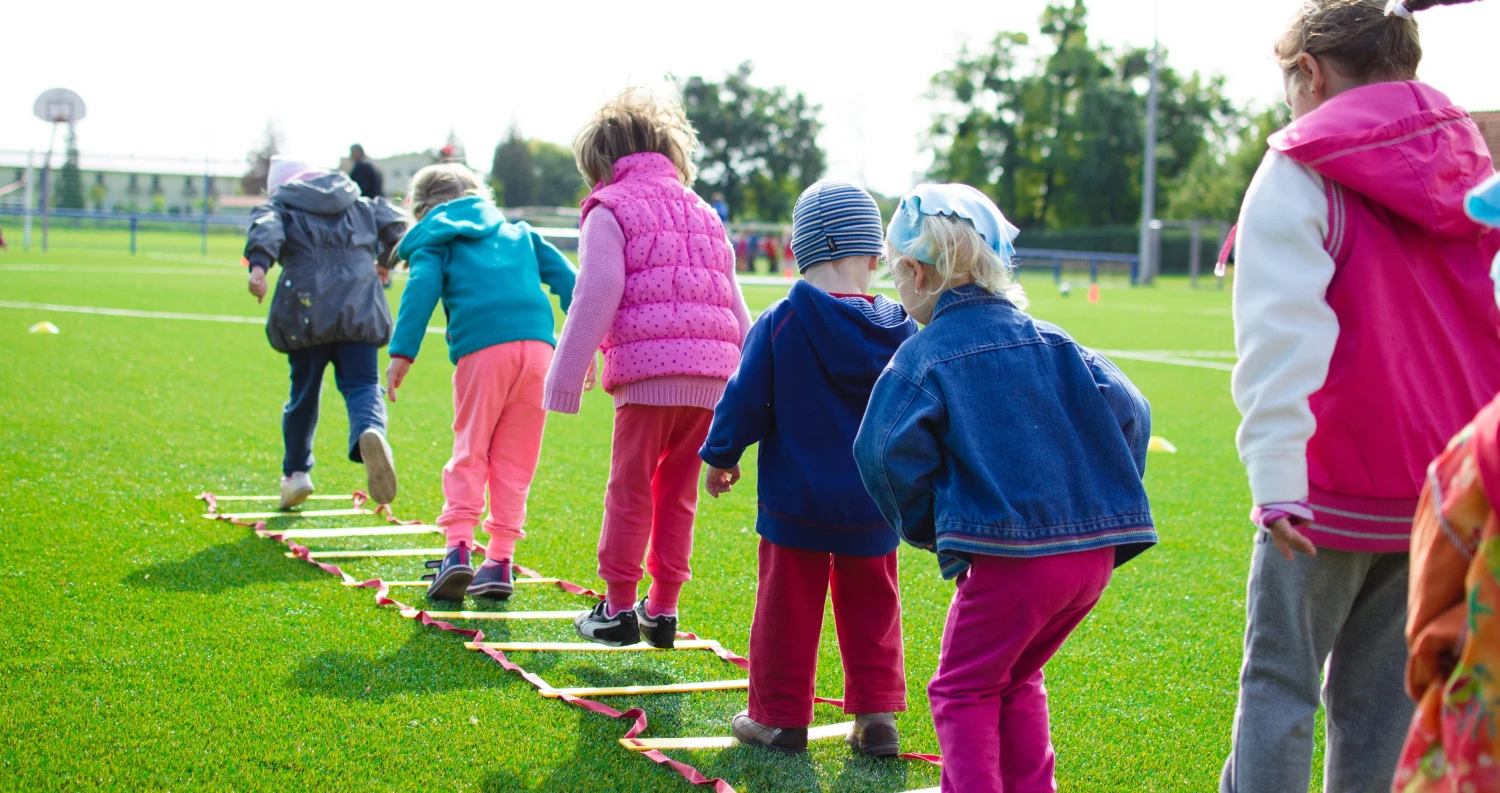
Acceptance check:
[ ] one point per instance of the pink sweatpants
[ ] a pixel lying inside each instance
(497, 438)
(989, 707)
(650, 502)
(788, 622)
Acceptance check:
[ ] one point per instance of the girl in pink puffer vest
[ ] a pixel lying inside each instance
(656, 292)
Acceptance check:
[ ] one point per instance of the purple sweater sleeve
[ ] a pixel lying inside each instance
(596, 300)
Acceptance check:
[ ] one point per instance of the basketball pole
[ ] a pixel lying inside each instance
(1149, 265)
(47, 186)
(26, 234)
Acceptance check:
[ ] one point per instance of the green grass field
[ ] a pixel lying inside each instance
(149, 648)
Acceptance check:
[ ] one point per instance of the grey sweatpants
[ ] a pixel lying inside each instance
(1348, 609)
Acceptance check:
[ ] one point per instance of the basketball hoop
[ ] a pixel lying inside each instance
(59, 106)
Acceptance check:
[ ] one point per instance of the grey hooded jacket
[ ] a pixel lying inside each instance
(326, 238)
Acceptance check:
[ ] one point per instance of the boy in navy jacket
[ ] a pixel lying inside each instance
(805, 377)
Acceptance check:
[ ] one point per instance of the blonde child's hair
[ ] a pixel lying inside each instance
(441, 183)
(637, 120)
(959, 250)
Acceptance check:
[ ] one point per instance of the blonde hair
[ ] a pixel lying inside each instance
(441, 183)
(637, 120)
(959, 250)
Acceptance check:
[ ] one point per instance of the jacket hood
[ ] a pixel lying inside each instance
(1402, 145)
(471, 218)
(851, 341)
(329, 194)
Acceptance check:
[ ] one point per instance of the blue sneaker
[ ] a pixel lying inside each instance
(493, 581)
(452, 577)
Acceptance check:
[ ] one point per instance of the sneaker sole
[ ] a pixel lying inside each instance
(772, 747)
(296, 498)
(451, 586)
(380, 466)
(660, 644)
(493, 591)
(878, 750)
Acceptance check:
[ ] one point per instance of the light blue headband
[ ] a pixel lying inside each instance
(1484, 202)
(953, 200)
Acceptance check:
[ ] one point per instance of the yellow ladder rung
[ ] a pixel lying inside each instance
(622, 691)
(365, 531)
(646, 744)
(309, 513)
(583, 647)
(494, 615)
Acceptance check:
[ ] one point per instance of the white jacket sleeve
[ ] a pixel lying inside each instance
(1284, 329)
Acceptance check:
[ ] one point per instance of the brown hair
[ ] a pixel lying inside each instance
(441, 183)
(637, 120)
(1359, 37)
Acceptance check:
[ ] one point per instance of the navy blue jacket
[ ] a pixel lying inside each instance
(804, 380)
(993, 433)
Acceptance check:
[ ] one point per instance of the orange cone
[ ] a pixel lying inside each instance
(1093, 293)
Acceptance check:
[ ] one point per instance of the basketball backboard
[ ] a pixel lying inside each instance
(59, 105)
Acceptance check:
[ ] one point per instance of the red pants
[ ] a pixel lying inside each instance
(989, 705)
(794, 585)
(652, 495)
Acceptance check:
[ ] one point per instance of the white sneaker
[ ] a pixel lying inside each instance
(380, 466)
(295, 489)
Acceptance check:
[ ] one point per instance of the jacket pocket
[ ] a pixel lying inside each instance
(290, 324)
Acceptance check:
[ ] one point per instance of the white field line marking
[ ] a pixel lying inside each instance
(643, 744)
(126, 270)
(130, 312)
(1150, 358)
(1230, 354)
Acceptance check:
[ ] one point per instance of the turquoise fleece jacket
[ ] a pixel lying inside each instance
(489, 275)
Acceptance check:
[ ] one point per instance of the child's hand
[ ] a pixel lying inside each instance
(1284, 533)
(258, 284)
(591, 377)
(384, 274)
(394, 374)
(718, 481)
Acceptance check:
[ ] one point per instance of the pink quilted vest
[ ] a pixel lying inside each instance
(675, 318)
(1418, 351)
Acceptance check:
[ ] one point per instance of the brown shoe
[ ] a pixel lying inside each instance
(875, 735)
(787, 740)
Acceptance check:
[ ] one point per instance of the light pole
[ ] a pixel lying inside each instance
(1148, 256)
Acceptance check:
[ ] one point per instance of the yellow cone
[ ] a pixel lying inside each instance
(44, 327)
(1160, 444)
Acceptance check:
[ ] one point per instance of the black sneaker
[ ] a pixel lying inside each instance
(659, 631)
(617, 631)
(452, 577)
(493, 581)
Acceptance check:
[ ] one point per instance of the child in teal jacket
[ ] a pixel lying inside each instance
(489, 275)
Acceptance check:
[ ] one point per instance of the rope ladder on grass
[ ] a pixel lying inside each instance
(581, 697)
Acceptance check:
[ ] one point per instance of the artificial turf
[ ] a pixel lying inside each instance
(146, 647)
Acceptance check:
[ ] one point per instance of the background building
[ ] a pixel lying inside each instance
(133, 184)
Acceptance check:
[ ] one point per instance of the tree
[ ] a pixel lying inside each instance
(558, 183)
(514, 172)
(758, 146)
(70, 179)
(1058, 142)
(259, 159)
(1214, 184)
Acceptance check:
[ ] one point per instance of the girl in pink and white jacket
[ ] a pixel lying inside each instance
(656, 292)
(1367, 336)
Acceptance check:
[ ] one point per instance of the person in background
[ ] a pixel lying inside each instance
(656, 290)
(800, 392)
(1367, 337)
(365, 174)
(1453, 624)
(1017, 456)
(488, 274)
(328, 308)
(721, 207)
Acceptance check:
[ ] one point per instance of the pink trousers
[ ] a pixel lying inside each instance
(497, 438)
(788, 622)
(650, 501)
(989, 707)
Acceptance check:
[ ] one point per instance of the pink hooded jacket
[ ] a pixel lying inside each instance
(676, 316)
(1418, 348)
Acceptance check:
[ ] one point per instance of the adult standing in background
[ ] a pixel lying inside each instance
(365, 174)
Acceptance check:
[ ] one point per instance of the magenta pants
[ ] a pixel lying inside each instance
(989, 706)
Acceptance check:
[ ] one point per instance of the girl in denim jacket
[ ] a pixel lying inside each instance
(1016, 455)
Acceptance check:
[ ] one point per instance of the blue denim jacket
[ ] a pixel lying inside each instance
(993, 433)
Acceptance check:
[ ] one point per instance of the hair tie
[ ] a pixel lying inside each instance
(1397, 8)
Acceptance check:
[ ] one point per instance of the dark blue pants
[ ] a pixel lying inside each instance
(356, 371)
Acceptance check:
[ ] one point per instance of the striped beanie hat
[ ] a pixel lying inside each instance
(834, 219)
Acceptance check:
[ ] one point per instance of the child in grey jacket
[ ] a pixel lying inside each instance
(328, 308)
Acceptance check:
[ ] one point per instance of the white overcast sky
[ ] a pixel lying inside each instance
(200, 79)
